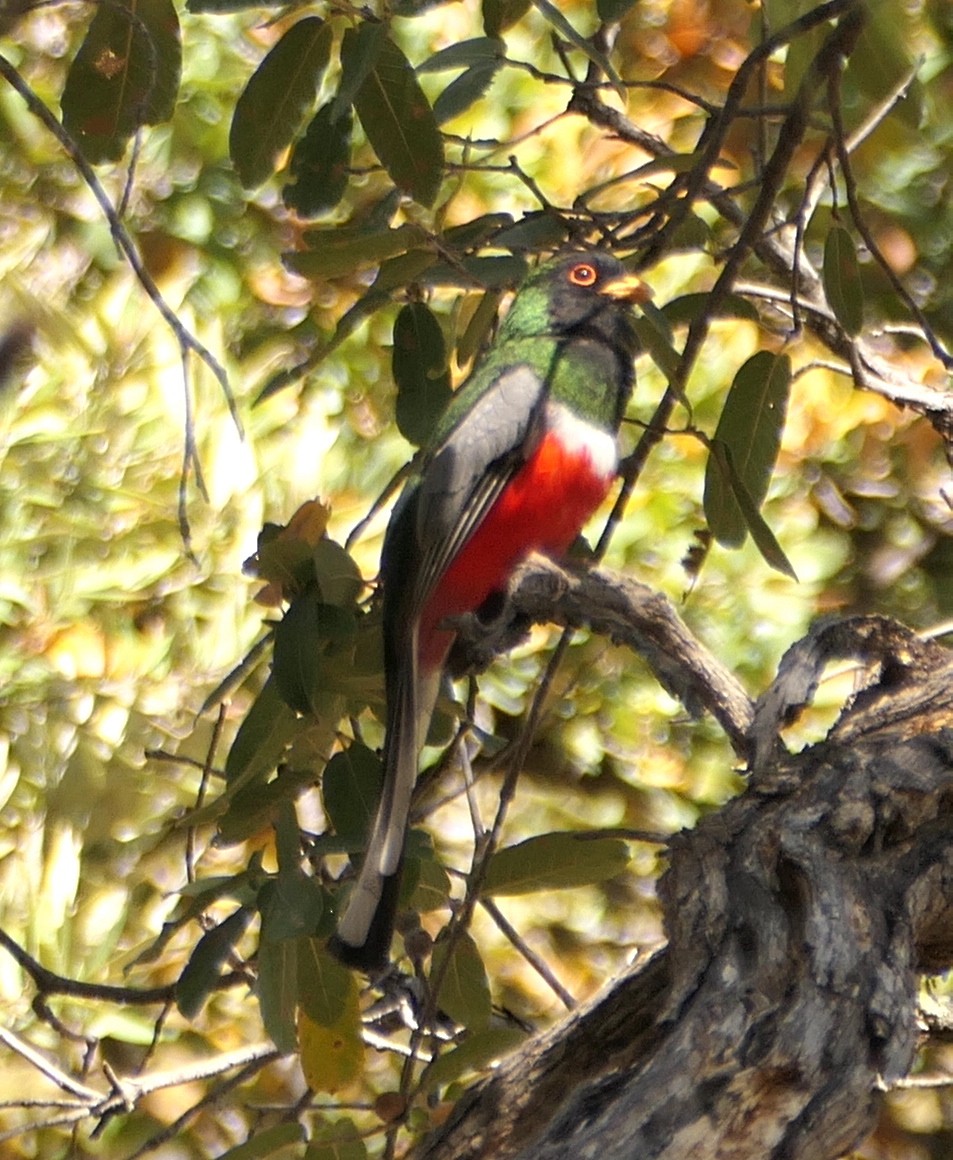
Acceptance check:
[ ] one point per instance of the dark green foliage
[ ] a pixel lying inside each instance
(125, 75)
(420, 371)
(272, 108)
(319, 163)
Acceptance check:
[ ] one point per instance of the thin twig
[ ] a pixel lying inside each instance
(537, 962)
(853, 201)
(28, 1052)
(186, 340)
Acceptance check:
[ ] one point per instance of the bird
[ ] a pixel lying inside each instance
(524, 453)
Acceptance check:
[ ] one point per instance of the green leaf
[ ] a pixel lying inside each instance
(262, 738)
(612, 11)
(478, 328)
(231, 5)
(475, 232)
(125, 75)
(397, 119)
(686, 308)
(801, 54)
(339, 578)
(266, 1142)
(464, 988)
(345, 251)
(461, 93)
(881, 62)
(351, 788)
(465, 54)
(655, 337)
(498, 15)
(842, 284)
(420, 370)
(492, 271)
(319, 164)
(204, 968)
(554, 862)
(552, 14)
(360, 50)
(196, 897)
(252, 810)
(432, 888)
(339, 1140)
(400, 271)
(277, 989)
(306, 636)
(324, 986)
(287, 839)
(754, 522)
(534, 231)
(271, 109)
(476, 1052)
(750, 428)
(291, 904)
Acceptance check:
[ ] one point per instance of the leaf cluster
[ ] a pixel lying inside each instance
(771, 204)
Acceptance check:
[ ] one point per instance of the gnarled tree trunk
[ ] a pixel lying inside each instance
(798, 917)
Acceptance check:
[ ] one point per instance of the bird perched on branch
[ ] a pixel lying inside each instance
(523, 455)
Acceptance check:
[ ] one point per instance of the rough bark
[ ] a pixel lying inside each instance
(798, 917)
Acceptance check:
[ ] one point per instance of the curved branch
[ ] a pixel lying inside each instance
(798, 917)
(629, 613)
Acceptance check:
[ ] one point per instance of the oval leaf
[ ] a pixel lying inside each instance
(466, 54)
(272, 107)
(338, 1140)
(461, 93)
(277, 989)
(464, 988)
(125, 75)
(420, 370)
(351, 788)
(262, 738)
(306, 639)
(360, 50)
(612, 11)
(344, 251)
(324, 986)
(398, 121)
(329, 1020)
(498, 15)
(842, 285)
(753, 521)
(555, 862)
(749, 428)
(585, 45)
(266, 1142)
(338, 576)
(476, 1052)
(478, 328)
(319, 164)
(230, 5)
(204, 968)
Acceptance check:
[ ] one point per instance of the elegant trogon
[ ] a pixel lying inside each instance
(523, 455)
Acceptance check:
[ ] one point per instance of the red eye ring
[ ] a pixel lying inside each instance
(583, 274)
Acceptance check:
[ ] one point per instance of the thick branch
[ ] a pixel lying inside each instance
(627, 612)
(798, 917)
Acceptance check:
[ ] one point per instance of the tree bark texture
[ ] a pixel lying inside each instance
(799, 918)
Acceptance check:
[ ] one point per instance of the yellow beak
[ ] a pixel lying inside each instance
(628, 288)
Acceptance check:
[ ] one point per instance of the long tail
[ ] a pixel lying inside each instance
(366, 928)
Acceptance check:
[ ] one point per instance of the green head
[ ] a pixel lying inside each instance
(576, 290)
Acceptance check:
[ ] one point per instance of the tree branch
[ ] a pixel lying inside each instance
(798, 917)
(628, 613)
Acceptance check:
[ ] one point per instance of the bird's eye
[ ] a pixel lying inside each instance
(583, 274)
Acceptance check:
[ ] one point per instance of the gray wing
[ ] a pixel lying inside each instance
(472, 466)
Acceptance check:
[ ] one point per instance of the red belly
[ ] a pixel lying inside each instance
(543, 509)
